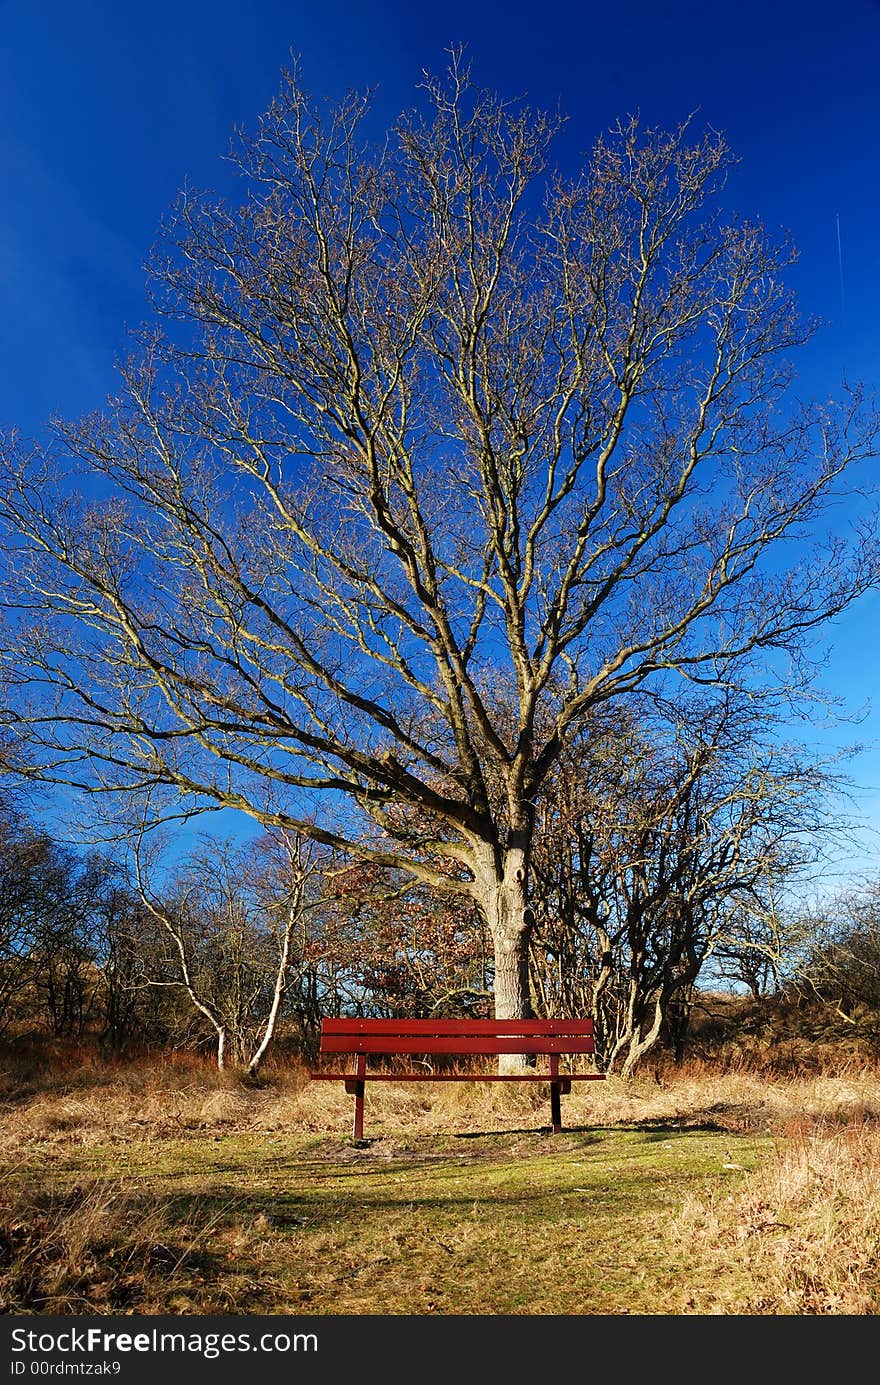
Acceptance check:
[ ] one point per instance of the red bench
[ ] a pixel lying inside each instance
(474, 1038)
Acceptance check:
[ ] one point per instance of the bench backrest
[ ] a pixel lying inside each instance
(456, 1036)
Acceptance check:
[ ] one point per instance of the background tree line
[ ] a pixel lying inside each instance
(668, 840)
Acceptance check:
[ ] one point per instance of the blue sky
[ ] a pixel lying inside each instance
(107, 107)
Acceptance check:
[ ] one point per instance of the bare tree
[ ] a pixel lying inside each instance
(48, 897)
(663, 835)
(119, 929)
(30, 876)
(428, 421)
(834, 957)
(756, 943)
(231, 920)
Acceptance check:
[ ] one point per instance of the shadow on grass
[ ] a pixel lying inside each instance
(349, 1211)
(662, 1130)
(545, 1131)
(720, 1118)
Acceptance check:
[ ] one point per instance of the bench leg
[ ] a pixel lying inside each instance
(555, 1107)
(357, 1127)
(555, 1093)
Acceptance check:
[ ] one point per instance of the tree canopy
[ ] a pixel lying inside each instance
(429, 453)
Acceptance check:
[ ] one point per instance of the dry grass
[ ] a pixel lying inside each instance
(85, 1248)
(92, 1103)
(808, 1220)
(159, 1187)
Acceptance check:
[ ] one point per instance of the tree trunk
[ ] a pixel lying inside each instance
(640, 1040)
(278, 990)
(510, 922)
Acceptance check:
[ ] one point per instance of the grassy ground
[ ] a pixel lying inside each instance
(165, 1190)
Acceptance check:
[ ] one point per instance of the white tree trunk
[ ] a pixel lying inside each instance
(278, 992)
(510, 922)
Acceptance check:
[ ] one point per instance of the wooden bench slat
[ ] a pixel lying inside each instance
(451, 1043)
(462, 1026)
(459, 1077)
